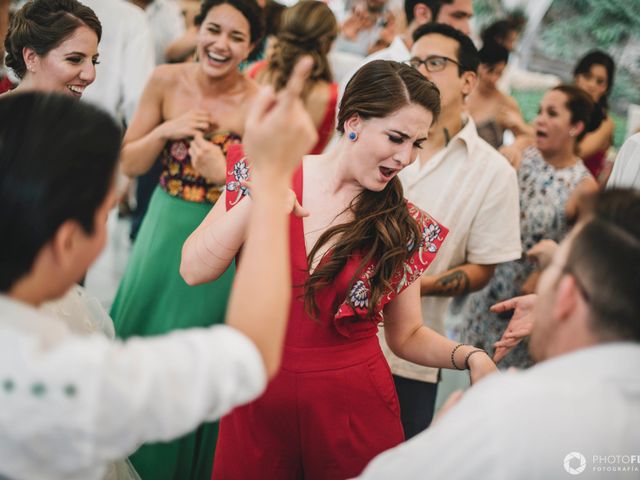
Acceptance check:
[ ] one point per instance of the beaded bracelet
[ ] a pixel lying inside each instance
(466, 359)
(453, 352)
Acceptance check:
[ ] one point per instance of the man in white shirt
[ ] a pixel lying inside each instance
(362, 29)
(126, 57)
(577, 411)
(626, 168)
(468, 186)
(69, 405)
(166, 22)
(457, 13)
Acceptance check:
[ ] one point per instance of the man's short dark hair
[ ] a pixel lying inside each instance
(57, 157)
(433, 5)
(467, 51)
(492, 54)
(499, 30)
(604, 258)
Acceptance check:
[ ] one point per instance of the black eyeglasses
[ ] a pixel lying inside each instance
(433, 63)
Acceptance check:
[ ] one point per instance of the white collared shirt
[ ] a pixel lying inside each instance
(167, 24)
(626, 168)
(397, 51)
(71, 404)
(526, 425)
(126, 57)
(473, 191)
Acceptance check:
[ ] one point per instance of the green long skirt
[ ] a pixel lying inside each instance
(154, 299)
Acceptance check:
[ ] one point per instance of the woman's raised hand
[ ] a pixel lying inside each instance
(196, 121)
(279, 131)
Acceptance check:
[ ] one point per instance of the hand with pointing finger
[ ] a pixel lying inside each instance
(279, 131)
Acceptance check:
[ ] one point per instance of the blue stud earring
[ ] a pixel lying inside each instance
(353, 136)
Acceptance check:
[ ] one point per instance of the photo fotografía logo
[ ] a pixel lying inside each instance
(575, 463)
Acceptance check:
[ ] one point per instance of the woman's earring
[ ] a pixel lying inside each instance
(353, 136)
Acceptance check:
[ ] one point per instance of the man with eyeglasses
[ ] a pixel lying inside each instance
(577, 411)
(468, 186)
(457, 13)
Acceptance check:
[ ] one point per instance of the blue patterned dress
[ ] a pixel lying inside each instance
(544, 191)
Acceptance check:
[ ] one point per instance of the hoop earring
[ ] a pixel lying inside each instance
(353, 136)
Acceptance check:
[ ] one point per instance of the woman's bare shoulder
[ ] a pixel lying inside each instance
(171, 73)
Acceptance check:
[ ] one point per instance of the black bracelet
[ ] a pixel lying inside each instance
(453, 352)
(466, 359)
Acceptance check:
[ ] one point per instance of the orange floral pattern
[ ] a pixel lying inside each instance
(180, 179)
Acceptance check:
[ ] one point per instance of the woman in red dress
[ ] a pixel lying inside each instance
(307, 28)
(355, 257)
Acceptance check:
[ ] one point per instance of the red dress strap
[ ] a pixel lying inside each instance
(354, 307)
(237, 170)
(328, 122)
(256, 68)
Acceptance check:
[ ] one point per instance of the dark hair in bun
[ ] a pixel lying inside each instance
(42, 25)
(583, 109)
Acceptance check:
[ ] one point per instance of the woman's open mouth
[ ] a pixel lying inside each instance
(387, 173)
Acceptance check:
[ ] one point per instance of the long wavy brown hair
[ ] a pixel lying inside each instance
(382, 228)
(307, 28)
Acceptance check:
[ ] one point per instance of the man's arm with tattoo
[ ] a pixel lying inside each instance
(457, 281)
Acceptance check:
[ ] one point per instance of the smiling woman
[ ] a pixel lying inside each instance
(52, 45)
(188, 115)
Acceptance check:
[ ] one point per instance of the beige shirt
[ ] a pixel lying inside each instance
(473, 191)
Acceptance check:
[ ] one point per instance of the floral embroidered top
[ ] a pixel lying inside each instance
(343, 305)
(355, 304)
(180, 179)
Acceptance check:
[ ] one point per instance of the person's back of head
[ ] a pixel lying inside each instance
(605, 256)
(432, 5)
(58, 157)
(307, 28)
(503, 32)
(42, 25)
(492, 54)
(272, 17)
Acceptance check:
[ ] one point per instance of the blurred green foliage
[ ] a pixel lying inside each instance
(573, 27)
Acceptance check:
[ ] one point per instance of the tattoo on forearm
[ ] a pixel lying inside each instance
(451, 284)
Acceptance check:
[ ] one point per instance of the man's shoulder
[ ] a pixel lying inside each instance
(495, 163)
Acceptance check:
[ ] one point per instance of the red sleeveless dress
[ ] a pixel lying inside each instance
(325, 131)
(333, 405)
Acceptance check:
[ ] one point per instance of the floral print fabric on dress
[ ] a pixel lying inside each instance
(237, 171)
(180, 179)
(355, 305)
